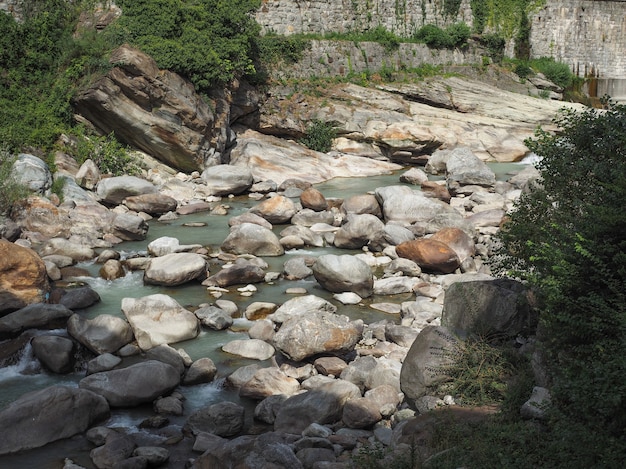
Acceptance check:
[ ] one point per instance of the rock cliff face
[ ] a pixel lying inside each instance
(158, 112)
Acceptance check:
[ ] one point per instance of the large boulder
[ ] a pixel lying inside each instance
(404, 205)
(153, 203)
(114, 190)
(250, 238)
(428, 362)
(358, 231)
(344, 273)
(251, 348)
(168, 245)
(276, 210)
(103, 334)
(154, 110)
(269, 382)
(458, 240)
(241, 272)
(487, 307)
(32, 172)
(137, 384)
(464, 168)
(35, 316)
(65, 247)
(321, 405)
(56, 353)
(175, 269)
(159, 319)
(224, 179)
(301, 306)
(23, 277)
(316, 333)
(47, 415)
(222, 419)
(431, 255)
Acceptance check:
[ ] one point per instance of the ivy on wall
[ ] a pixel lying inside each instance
(504, 17)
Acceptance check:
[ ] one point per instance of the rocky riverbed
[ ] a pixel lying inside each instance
(332, 384)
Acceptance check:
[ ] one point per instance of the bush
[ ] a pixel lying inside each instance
(455, 35)
(319, 136)
(557, 72)
(10, 190)
(106, 152)
(567, 238)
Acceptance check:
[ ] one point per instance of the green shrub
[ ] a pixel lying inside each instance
(319, 136)
(494, 43)
(106, 152)
(458, 33)
(385, 38)
(455, 35)
(10, 190)
(523, 70)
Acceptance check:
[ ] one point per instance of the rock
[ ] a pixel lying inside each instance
(395, 285)
(153, 203)
(431, 255)
(403, 266)
(361, 413)
(315, 333)
(115, 189)
(357, 231)
(310, 237)
(459, 241)
(214, 318)
(330, 365)
(159, 319)
(54, 352)
(88, 175)
(112, 269)
(361, 204)
(464, 168)
(415, 176)
(32, 172)
(498, 306)
(169, 405)
(277, 210)
(35, 316)
(259, 310)
(115, 452)
(344, 273)
(428, 361)
(268, 382)
(154, 110)
(223, 419)
(168, 245)
(347, 298)
(436, 190)
(155, 455)
(224, 179)
(243, 272)
(79, 298)
(251, 348)
(404, 205)
(63, 247)
(129, 227)
(313, 199)
(168, 355)
(401, 335)
(492, 218)
(203, 370)
(137, 384)
(322, 405)
(309, 217)
(104, 362)
(537, 405)
(175, 269)
(278, 159)
(296, 268)
(23, 277)
(250, 238)
(41, 417)
(301, 306)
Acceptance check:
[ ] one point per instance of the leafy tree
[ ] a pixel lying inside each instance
(208, 41)
(567, 238)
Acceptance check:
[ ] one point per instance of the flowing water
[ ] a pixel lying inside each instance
(27, 375)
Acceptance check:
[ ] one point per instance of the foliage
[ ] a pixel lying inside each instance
(105, 151)
(455, 35)
(567, 237)
(11, 191)
(522, 69)
(557, 72)
(507, 18)
(376, 456)
(208, 41)
(494, 43)
(451, 8)
(319, 136)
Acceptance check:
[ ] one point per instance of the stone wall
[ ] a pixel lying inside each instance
(588, 35)
(402, 17)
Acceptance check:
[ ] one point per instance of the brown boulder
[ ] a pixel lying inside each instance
(154, 204)
(23, 277)
(313, 199)
(458, 240)
(436, 190)
(431, 255)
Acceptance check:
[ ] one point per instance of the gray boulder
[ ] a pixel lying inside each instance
(268, 382)
(250, 238)
(214, 318)
(168, 245)
(316, 333)
(358, 231)
(48, 415)
(486, 307)
(223, 419)
(103, 334)
(252, 348)
(225, 179)
(301, 306)
(159, 319)
(321, 405)
(344, 273)
(79, 298)
(276, 210)
(175, 269)
(154, 203)
(241, 272)
(464, 168)
(203, 370)
(35, 316)
(137, 384)
(54, 352)
(32, 172)
(129, 227)
(115, 189)
(428, 362)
